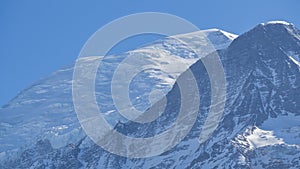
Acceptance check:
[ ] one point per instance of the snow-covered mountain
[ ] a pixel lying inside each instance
(260, 127)
(45, 109)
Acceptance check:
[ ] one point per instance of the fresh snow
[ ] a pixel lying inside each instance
(261, 138)
(279, 22)
(294, 57)
(273, 131)
(229, 35)
(34, 113)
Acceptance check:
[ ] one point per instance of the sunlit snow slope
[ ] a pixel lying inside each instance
(45, 109)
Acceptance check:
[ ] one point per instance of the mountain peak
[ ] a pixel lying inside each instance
(258, 129)
(278, 32)
(277, 23)
(213, 32)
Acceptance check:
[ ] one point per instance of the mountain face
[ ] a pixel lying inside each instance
(260, 126)
(44, 111)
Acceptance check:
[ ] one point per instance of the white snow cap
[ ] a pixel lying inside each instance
(231, 36)
(278, 22)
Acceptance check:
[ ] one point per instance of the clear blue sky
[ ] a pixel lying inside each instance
(38, 37)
